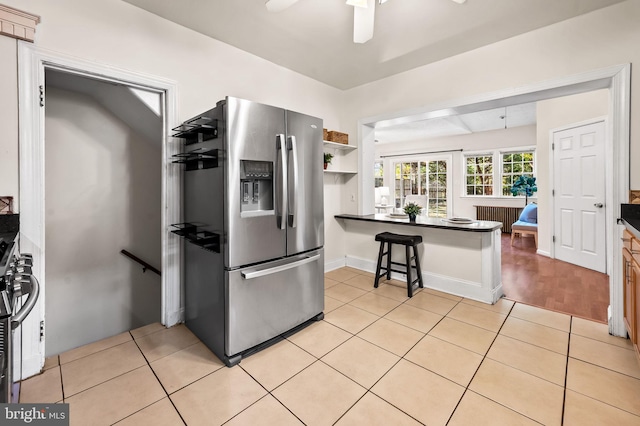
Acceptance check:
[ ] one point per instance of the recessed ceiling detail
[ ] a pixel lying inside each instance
(363, 15)
(481, 121)
(315, 37)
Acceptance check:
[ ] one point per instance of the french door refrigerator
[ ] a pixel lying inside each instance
(253, 209)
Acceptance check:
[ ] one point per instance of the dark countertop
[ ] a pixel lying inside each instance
(630, 215)
(9, 226)
(633, 226)
(426, 222)
(8, 236)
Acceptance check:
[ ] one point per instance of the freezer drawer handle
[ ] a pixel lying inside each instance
(276, 269)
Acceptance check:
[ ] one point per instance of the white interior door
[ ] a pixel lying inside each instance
(579, 196)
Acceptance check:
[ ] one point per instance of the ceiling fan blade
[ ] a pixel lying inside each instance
(363, 19)
(278, 5)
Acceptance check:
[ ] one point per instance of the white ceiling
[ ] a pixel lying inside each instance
(315, 37)
(492, 119)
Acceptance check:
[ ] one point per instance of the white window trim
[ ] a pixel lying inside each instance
(496, 154)
(389, 175)
(507, 151)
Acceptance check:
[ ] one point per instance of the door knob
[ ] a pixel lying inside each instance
(598, 205)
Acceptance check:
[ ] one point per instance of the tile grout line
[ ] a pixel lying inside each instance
(115, 377)
(159, 382)
(317, 359)
(484, 357)
(403, 357)
(566, 373)
(400, 358)
(600, 367)
(603, 342)
(61, 381)
(269, 393)
(367, 390)
(605, 368)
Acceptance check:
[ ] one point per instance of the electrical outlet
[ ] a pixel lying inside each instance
(353, 197)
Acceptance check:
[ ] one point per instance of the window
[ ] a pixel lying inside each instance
(491, 174)
(515, 164)
(378, 174)
(425, 181)
(410, 180)
(479, 174)
(437, 189)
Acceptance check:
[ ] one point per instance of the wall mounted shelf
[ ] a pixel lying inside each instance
(335, 145)
(343, 172)
(341, 150)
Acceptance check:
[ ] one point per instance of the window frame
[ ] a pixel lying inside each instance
(477, 154)
(502, 152)
(389, 173)
(497, 162)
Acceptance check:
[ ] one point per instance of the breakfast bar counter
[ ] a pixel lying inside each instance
(428, 222)
(463, 259)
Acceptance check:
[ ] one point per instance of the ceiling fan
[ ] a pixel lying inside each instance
(363, 15)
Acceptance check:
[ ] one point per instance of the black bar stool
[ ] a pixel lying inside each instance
(407, 241)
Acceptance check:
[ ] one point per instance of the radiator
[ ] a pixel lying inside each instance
(506, 215)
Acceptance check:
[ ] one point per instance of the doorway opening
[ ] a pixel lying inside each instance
(103, 169)
(615, 82)
(34, 63)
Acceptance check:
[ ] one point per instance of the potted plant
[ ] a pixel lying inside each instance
(327, 159)
(412, 209)
(524, 185)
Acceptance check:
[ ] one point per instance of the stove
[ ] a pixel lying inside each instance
(16, 281)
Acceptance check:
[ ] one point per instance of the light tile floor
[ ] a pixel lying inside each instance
(378, 358)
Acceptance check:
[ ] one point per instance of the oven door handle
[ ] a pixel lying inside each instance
(262, 272)
(17, 319)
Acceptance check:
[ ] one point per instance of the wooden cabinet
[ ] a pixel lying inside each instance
(635, 272)
(629, 287)
(631, 277)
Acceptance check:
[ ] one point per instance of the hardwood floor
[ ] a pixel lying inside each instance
(552, 284)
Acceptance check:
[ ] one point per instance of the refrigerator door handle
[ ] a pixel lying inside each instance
(262, 272)
(293, 210)
(281, 145)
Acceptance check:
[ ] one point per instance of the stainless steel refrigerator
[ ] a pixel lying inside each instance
(254, 222)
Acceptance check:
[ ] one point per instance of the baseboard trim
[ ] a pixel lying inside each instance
(334, 264)
(457, 287)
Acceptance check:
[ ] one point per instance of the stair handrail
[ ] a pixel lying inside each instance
(144, 264)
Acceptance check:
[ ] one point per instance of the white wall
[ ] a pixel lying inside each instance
(552, 114)
(524, 136)
(118, 34)
(603, 38)
(102, 195)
